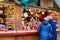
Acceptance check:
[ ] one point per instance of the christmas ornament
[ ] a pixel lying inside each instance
(25, 14)
(42, 15)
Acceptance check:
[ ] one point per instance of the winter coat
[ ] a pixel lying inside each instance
(45, 30)
(53, 23)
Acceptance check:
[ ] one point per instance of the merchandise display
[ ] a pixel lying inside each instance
(33, 17)
(7, 22)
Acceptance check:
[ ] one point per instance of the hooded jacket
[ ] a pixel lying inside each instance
(45, 31)
(53, 23)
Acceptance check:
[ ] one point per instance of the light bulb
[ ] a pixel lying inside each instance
(43, 13)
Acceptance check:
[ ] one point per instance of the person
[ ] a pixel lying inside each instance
(53, 23)
(45, 31)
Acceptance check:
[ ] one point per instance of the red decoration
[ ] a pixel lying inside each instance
(41, 16)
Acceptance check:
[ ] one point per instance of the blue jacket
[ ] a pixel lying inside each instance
(45, 31)
(53, 23)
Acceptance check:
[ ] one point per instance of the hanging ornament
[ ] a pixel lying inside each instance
(25, 15)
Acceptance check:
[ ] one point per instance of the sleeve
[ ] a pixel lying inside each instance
(50, 32)
(50, 29)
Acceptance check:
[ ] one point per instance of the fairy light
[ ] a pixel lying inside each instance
(43, 13)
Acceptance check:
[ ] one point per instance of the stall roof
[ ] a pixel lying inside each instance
(57, 2)
(49, 8)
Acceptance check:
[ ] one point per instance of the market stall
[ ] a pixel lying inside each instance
(30, 20)
(16, 20)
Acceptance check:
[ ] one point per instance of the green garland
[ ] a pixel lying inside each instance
(26, 2)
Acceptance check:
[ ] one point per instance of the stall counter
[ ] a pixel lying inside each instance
(20, 33)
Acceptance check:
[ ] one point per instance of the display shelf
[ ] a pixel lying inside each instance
(20, 33)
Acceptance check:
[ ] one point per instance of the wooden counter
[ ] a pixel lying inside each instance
(21, 33)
